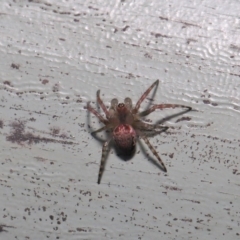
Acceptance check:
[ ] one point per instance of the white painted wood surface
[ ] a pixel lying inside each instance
(55, 55)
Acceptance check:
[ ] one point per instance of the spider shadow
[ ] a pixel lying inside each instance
(124, 156)
(152, 134)
(143, 148)
(173, 116)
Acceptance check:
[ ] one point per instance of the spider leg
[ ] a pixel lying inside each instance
(153, 151)
(92, 110)
(144, 96)
(102, 105)
(162, 106)
(103, 158)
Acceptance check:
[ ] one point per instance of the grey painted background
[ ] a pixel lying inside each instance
(55, 55)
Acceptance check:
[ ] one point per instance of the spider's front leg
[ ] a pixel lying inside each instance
(103, 158)
(162, 106)
(135, 110)
(102, 105)
(97, 114)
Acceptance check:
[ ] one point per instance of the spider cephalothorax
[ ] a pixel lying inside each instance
(125, 124)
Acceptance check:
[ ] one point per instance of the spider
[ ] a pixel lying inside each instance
(124, 123)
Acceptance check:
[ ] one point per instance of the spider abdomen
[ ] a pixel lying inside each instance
(124, 137)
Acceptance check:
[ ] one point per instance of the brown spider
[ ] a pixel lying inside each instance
(124, 123)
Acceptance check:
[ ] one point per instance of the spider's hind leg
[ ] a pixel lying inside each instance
(154, 152)
(103, 158)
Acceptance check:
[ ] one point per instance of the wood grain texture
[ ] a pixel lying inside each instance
(55, 55)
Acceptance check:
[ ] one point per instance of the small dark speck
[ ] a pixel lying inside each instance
(147, 55)
(157, 35)
(206, 102)
(63, 135)
(62, 39)
(7, 83)
(65, 13)
(81, 230)
(125, 28)
(171, 155)
(16, 66)
(51, 217)
(32, 119)
(1, 124)
(183, 119)
(2, 230)
(189, 40)
(214, 104)
(235, 171)
(55, 88)
(55, 130)
(45, 81)
(91, 7)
